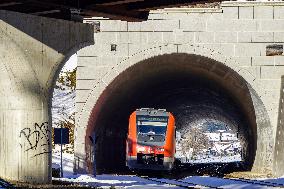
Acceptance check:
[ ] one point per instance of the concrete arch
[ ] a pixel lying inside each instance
(240, 77)
(156, 51)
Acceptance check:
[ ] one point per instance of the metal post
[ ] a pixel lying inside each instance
(61, 166)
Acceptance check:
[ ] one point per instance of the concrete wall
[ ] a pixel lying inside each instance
(236, 34)
(279, 150)
(32, 50)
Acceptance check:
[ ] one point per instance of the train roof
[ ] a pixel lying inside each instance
(152, 112)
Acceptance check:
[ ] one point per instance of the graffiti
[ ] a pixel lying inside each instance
(37, 138)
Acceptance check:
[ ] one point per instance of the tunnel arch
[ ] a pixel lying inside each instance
(211, 65)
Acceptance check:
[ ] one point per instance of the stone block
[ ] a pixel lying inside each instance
(134, 26)
(278, 12)
(221, 49)
(279, 61)
(184, 37)
(155, 37)
(242, 61)
(169, 49)
(193, 24)
(270, 84)
(122, 50)
(252, 72)
(85, 83)
(272, 72)
(226, 37)
(91, 50)
(178, 37)
(263, 12)
(113, 25)
(159, 25)
(250, 49)
(204, 37)
(246, 12)
(272, 25)
(138, 37)
(168, 37)
(105, 50)
(123, 37)
(255, 37)
(144, 48)
(174, 16)
(86, 73)
(134, 49)
(263, 61)
(78, 108)
(231, 25)
(271, 101)
(89, 61)
(81, 95)
(230, 12)
(279, 37)
(107, 37)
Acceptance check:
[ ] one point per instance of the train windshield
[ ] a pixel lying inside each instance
(154, 128)
(151, 130)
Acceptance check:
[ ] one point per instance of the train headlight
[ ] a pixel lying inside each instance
(140, 148)
(160, 149)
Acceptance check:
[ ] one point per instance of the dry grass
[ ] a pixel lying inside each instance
(55, 184)
(248, 175)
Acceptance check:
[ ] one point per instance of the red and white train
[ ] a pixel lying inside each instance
(151, 140)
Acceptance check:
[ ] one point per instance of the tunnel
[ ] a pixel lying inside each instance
(194, 88)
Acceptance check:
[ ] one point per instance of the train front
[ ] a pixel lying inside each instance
(151, 140)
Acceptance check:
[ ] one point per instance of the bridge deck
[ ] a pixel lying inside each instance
(129, 10)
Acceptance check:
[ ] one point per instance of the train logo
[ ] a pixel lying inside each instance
(151, 140)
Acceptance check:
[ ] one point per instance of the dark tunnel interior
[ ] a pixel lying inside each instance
(194, 94)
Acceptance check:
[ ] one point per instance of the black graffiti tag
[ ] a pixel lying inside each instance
(33, 136)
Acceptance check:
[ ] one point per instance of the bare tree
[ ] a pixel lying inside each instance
(195, 139)
(63, 105)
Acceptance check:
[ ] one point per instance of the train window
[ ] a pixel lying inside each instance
(150, 129)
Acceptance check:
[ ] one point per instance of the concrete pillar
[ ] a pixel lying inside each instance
(32, 51)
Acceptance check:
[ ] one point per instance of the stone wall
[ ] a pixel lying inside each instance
(237, 34)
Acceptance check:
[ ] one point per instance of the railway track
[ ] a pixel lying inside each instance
(178, 183)
(213, 170)
(219, 170)
(192, 184)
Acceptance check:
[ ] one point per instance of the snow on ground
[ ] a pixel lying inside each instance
(217, 159)
(67, 161)
(222, 183)
(132, 181)
(4, 184)
(119, 181)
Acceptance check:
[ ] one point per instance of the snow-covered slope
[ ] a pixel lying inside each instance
(63, 105)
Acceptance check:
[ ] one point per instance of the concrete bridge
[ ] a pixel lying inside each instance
(32, 51)
(203, 65)
(218, 65)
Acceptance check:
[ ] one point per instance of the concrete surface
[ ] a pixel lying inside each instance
(32, 51)
(226, 45)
